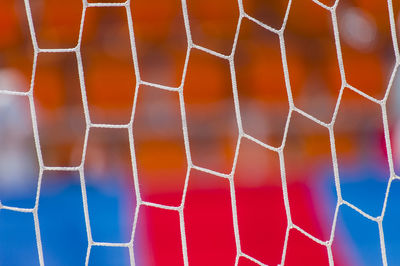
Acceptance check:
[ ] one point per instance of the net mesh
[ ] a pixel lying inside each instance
(180, 90)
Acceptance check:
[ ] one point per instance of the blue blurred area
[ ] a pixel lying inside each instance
(365, 187)
(62, 221)
(17, 239)
(62, 224)
(364, 237)
(109, 256)
(391, 225)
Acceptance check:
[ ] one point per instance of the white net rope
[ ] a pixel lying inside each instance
(180, 91)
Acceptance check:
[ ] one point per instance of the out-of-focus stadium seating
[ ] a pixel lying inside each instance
(110, 79)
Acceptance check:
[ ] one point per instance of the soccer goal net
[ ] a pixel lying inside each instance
(199, 132)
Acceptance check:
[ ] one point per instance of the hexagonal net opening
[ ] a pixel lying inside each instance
(199, 132)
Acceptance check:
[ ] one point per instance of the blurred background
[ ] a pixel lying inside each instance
(109, 78)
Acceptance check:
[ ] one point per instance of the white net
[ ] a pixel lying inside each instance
(242, 134)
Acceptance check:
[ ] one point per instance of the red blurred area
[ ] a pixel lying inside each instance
(162, 243)
(208, 223)
(301, 250)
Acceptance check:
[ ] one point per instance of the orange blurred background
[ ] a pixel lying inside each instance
(110, 83)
